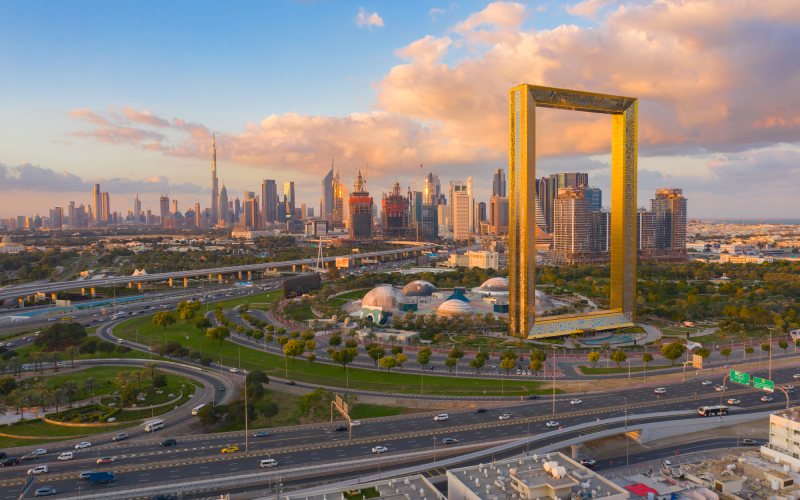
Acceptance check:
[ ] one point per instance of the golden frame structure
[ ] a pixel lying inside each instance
(523, 101)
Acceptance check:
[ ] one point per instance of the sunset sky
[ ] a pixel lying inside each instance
(127, 93)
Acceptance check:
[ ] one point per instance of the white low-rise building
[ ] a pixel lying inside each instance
(784, 438)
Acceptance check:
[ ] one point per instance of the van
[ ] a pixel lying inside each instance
(268, 463)
(65, 455)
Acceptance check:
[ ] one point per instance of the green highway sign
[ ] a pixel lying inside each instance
(762, 383)
(740, 377)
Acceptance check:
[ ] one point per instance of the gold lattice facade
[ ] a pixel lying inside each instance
(523, 101)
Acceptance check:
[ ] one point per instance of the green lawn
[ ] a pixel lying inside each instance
(142, 330)
(360, 410)
(298, 311)
(259, 297)
(47, 432)
(132, 354)
(353, 294)
(588, 370)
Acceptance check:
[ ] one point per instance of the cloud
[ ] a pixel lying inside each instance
(588, 8)
(435, 12)
(368, 19)
(144, 117)
(27, 177)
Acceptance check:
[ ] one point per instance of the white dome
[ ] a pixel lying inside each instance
(383, 296)
(419, 288)
(497, 284)
(454, 307)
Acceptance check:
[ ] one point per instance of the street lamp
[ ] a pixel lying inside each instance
(555, 354)
(434, 449)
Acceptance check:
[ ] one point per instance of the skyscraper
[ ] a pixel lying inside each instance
(498, 215)
(214, 182)
(222, 211)
(669, 207)
(471, 195)
(197, 215)
(360, 204)
(338, 202)
(547, 191)
(571, 226)
(326, 208)
(174, 207)
(105, 209)
(499, 183)
(594, 196)
(56, 217)
(250, 219)
(288, 193)
(461, 207)
(137, 209)
(394, 213)
(97, 203)
(269, 200)
(163, 205)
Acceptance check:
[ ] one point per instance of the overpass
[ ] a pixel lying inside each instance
(19, 292)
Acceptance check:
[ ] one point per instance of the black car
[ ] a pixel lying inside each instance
(3, 455)
(291, 382)
(533, 396)
(169, 442)
(8, 462)
(340, 428)
(481, 410)
(164, 496)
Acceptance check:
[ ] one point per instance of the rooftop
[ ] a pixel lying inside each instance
(416, 487)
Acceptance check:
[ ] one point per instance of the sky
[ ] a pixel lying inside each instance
(128, 93)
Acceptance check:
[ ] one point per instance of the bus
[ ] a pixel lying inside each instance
(710, 411)
(153, 425)
(197, 409)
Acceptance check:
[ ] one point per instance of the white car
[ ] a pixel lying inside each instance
(120, 341)
(720, 388)
(82, 445)
(441, 417)
(355, 423)
(233, 370)
(575, 401)
(660, 390)
(39, 452)
(796, 376)
(733, 401)
(767, 399)
(380, 449)
(504, 416)
(39, 469)
(66, 455)
(706, 382)
(551, 423)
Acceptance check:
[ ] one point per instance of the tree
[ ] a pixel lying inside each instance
(344, 356)
(218, 333)
(310, 345)
(7, 385)
(335, 341)
(71, 351)
(89, 385)
(376, 352)
(269, 409)
(202, 323)
(424, 356)
(477, 363)
(594, 357)
(765, 347)
(163, 319)
(619, 357)
(539, 354)
(397, 349)
(749, 349)
(401, 359)
(388, 362)
(535, 366)
(783, 345)
(646, 358)
(703, 352)
(450, 362)
(70, 391)
(673, 351)
(507, 364)
(725, 352)
(311, 357)
(293, 348)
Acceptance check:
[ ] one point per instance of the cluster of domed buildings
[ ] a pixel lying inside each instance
(422, 297)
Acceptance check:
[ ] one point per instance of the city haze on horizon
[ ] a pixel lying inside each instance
(129, 97)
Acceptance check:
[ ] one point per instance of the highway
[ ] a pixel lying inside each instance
(141, 461)
(13, 292)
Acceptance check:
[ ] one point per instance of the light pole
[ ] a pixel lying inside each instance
(644, 365)
(684, 369)
(434, 449)
(627, 455)
(770, 355)
(629, 369)
(555, 353)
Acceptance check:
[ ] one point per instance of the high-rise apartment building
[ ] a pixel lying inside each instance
(547, 190)
(214, 182)
(97, 204)
(499, 183)
(222, 210)
(269, 201)
(198, 216)
(571, 226)
(601, 231)
(646, 235)
(56, 218)
(480, 212)
(498, 215)
(105, 209)
(137, 209)
(471, 195)
(360, 211)
(338, 202)
(669, 207)
(163, 204)
(326, 205)
(175, 210)
(250, 216)
(461, 208)
(394, 213)
(594, 196)
(288, 194)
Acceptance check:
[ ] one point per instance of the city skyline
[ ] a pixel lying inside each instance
(409, 74)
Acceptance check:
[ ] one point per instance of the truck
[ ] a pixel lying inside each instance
(101, 477)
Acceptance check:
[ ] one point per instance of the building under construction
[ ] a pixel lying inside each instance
(394, 213)
(360, 204)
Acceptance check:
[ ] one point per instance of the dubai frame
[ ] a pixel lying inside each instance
(523, 101)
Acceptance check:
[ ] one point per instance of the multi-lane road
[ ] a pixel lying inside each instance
(141, 461)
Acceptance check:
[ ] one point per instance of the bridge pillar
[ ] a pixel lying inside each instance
(21, 301)
(170, 282)
(83, 291)
(575, 450)
(91, 290)
(240, 275)
(185, 282)
(130, 284)
(210, 277)
(53, 297)
(139, 286)
(249, 275)
(219, 278)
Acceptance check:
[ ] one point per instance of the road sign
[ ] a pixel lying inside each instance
(764, 384)
(740, 377)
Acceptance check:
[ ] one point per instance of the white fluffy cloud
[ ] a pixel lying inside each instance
(366, 19)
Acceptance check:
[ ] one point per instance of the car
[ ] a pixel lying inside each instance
(720, 388)
(666, 463)
(340, 428)
(120, 341)
(796, 376)
(39, 469)
(83, 444)
(380, 449)
(749, 442)
(169, 442)
(660, 390)
(66, 455)
(8, 462)
(85, 474)
(575, 401)
(552, 423)
(39, 452)
(504, 416)
(28, 457)
(261, 434)
(233, 370)
(767, 399)
(106, 460)
(221, 388)
(122, 436)
(355, 423)
(449, 440)
(291, 382)
(788, 387)
(45, 491)
(733, 401)
(229, 449)
(706, 382)
(533, 396)
(481, 410)
(588, 462)
(441, 417)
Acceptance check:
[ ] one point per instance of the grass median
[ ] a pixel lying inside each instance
(142, 330)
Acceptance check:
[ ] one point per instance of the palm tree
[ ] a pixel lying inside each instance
(70, 390)
(89, 386)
